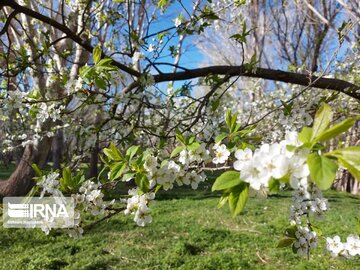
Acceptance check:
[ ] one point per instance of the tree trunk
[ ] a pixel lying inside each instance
(56, 149)
(21, 180)
(94, 160)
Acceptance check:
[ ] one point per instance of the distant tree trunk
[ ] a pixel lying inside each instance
(94, 160)
(57, 149)
(345, 181)
(21, 180)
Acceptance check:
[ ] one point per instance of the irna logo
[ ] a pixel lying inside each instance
(23, 212)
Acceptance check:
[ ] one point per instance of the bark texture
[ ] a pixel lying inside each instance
(21, 181)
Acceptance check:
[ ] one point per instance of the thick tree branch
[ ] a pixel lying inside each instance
(268, 74)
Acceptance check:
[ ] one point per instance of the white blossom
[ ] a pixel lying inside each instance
(221, 153)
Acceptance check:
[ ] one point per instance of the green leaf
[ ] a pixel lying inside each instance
(285, 242)
(190, 140)
(127, 176)
(290, 231)
(323, 118)
(163, 3)
(228, 119)
(193, 146)
(180, 137)
(97, 54)
(274, 185)
(223, 199)
(227, 180)
(37, 169)
(316, 229)
(100, 83)
(220, 137)
(66, 175)
(305, 134)
(142, 182)
(335, 130)
(131, 152)
(117, 169)
(238, 197)
(106, 62)
(233, 122)
(177, 150)
(215, 104)
(112, 152)
(349, 158)
(86, 71)
(322, 170)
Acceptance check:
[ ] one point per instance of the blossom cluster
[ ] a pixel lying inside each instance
(170, 173)
(349, 249)
(272, 161)
(90, 197)
(305, 239)
(200, 154)
(307, 199)
(137, 205)
(51, 111)
(50, 184)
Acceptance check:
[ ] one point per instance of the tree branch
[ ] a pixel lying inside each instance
(8, 21)
(268, 74)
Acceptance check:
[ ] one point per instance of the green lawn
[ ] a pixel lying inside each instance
(188, 232)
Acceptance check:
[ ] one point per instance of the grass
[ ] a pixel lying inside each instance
(188, 232)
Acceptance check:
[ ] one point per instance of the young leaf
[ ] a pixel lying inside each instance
(117, 169)
(66, 175)
(112, 152)
(180, 137)
(127, 177)
(285, 242)
(290, 231)
(227, 180)
(238, 197)
(193, 146)
(274, 185)
(233, 122)
(163, 3)
(131, 152)
(349, 158)
(228, 119)
(335, 130)
(177, 150)
(142, 182)
(100, 83)
(106, 62)
(97, 54)
(220, 137)
(223, 199)
(323, 118)
(322, 170)
(305, 134)
(37, 169)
